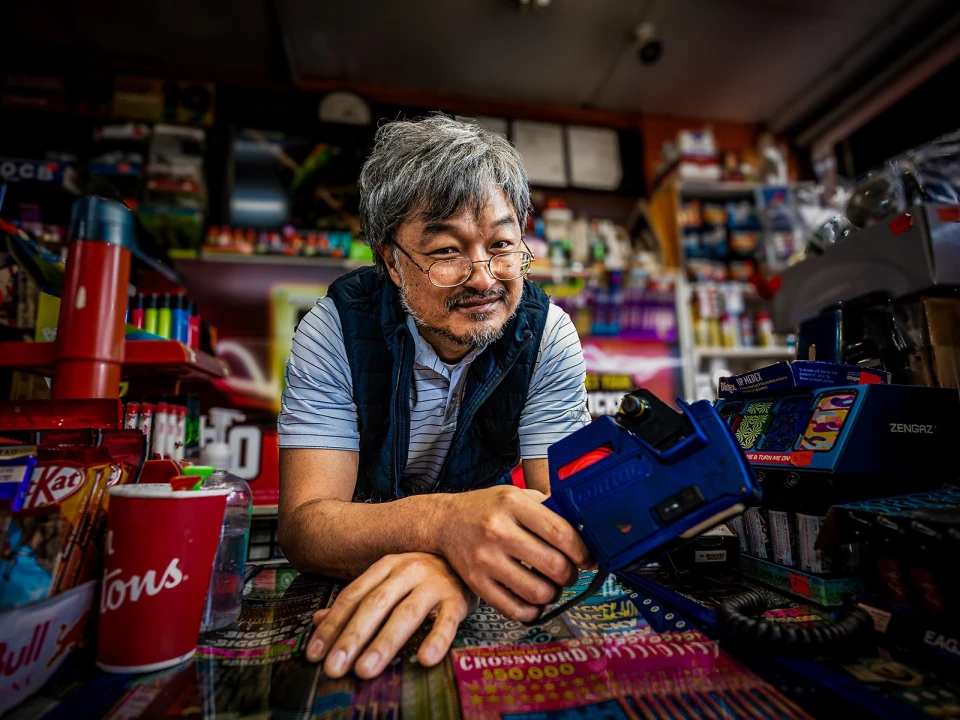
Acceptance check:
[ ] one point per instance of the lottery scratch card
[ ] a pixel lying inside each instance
(616, 616)
(505, 681)
(488, 627)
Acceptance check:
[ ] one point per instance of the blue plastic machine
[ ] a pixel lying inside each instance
(644, 482)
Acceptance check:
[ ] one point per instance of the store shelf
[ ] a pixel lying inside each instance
(162, 358)
(265, 510)
(298, 260)
(746, 353)
(557, 274)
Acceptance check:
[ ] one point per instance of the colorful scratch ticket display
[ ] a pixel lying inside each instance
(756, 416)
(789, 417)
(826, 422)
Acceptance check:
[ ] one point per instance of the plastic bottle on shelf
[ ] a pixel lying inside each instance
(746, 330)
(225, 595)
(765, 330)
(730, 330)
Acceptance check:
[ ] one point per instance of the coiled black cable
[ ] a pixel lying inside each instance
(738, 617)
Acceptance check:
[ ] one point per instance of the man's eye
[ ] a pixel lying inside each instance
(502, 245)
(444, 251)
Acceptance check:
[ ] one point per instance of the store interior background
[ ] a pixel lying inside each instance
(836, 88)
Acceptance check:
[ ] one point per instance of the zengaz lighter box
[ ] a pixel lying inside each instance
(798, 374)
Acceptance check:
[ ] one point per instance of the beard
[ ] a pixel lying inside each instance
(480, 335)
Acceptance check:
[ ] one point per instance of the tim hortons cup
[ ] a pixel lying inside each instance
(158, 557)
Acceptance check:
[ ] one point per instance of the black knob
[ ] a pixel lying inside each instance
(633, 406)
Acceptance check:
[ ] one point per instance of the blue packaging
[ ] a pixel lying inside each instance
(16, 464)
(181, 318)
(800, 373)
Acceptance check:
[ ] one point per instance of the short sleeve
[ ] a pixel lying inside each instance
(318, 410)
(557, 398)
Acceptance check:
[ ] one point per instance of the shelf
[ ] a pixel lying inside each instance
(265, 510)
(168, 358)
(717, 189)
(746, 353)
(556, 274)
(299, 260)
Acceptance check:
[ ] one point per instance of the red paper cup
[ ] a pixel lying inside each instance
(158, 558)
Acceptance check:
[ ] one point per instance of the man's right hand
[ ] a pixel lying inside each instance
(511, 550)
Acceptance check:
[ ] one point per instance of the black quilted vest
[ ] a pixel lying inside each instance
(380, 350)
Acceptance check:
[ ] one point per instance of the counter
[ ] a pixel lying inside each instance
(623, 654)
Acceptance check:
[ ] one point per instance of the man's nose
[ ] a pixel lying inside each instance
(480, 279)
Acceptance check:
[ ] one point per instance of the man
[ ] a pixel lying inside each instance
(413, 389)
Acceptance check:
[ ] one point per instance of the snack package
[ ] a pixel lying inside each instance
(41, 551)
(126, 451)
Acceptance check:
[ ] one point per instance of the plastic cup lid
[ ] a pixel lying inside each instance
(162, 491)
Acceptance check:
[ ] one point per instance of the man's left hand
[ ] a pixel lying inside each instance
(398, 593)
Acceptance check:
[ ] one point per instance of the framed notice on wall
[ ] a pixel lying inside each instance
(594, 158)
(541, 146)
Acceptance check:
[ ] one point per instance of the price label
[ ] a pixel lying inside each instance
(800, 585)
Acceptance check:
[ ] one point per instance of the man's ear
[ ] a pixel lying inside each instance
(389, 256)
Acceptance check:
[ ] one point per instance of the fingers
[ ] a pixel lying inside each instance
(347, 634)
(441, 635)
(534, 552)
(554, 530)
(527, 585)
(404, 621)
(331, 620)
(501, 599)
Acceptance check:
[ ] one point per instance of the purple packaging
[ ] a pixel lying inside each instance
(800, 373)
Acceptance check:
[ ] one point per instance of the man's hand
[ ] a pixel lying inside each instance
(398, 593)
(511, 550)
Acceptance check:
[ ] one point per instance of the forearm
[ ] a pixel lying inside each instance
(342, 539)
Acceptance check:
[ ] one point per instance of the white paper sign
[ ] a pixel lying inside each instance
(541, 146)
(594, 158)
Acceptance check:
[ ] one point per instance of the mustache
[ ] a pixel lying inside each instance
(495, 293)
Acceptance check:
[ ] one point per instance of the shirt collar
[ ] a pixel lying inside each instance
(425, 356)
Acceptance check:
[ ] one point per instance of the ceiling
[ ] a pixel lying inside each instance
(746, 60)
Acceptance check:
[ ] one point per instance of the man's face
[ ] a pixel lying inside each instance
(473, 314)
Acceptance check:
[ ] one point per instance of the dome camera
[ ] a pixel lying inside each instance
(649, 45)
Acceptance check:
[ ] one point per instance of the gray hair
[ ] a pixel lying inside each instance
(433, 168)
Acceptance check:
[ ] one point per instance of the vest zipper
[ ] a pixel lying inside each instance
(399, 441)
(468, 412)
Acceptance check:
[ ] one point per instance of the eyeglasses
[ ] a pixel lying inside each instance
(456, 271)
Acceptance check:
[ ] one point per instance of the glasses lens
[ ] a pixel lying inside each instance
(510, 266)
(449, 273)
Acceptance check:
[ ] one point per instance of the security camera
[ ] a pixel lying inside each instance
(649, 45)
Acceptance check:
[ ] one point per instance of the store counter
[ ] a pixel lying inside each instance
(622, 654)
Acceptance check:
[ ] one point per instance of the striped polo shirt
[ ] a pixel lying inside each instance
(319, 412)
